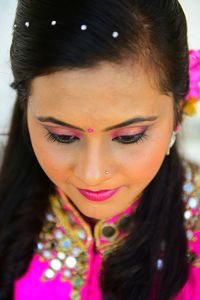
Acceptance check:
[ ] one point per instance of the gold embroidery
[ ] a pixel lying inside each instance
(65, 241)
(102, 248)
(191, 197)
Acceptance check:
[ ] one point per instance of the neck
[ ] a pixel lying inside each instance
(91, 221)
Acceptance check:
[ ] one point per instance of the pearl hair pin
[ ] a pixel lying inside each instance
(115, 34)
(83, 27)
(53, 23)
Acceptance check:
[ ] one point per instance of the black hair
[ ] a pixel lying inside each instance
(153, 33)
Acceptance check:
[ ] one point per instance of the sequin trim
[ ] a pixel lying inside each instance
(66, 237)
(191, 199)
(65, 240)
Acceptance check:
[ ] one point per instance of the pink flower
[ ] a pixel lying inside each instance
(194, 71)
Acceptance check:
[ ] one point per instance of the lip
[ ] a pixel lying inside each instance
(98, 195)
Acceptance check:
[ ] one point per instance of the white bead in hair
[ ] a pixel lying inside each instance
(15, 25)
(115, 34)
(159, 264)
(53, 23)
(27, 24)
(83, 27)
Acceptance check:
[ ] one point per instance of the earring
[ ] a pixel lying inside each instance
(173, 138)
(107, 172)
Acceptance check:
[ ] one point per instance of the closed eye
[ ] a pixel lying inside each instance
(130, 139)
(61, 139)
(123, 139)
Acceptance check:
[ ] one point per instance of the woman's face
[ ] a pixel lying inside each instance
(100, 98)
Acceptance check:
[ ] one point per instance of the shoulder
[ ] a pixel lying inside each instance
(191, 199)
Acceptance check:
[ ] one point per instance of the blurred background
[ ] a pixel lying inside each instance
(189, 138)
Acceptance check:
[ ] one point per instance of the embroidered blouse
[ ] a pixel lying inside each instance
(68, 257)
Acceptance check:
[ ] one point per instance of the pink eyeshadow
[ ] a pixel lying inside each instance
(128, 131)
(60, 131)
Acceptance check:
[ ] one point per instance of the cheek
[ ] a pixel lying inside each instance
(53, 158)
(142, 163)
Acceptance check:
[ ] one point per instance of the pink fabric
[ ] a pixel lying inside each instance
(191, 290)
(31, 287)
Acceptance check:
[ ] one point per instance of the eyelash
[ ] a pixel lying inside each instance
(128, 139)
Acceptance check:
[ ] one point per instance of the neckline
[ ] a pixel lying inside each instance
(67, 204)
(69, 218)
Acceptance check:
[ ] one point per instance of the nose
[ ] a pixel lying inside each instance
(94, 161)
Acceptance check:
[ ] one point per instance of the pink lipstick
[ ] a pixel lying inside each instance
(98, 195)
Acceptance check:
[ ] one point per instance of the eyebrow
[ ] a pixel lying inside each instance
(135, 120)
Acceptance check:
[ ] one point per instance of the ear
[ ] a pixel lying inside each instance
(180, 104)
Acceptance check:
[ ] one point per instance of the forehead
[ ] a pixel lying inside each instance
(110, 86)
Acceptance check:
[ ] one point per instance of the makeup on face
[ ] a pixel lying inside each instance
(131, 150)
(136, 120)
(116, 130)
(90, 130)
(125, 131)
(63, 131)
(98, 195)
(128, 131)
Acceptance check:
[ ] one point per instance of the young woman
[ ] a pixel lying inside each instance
(95, 200)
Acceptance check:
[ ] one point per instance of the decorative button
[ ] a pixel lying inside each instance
(77, 281)
(109, 231)
(75, 295)
(56, 264)
(83, 257)
(81, 234)
(188, 187)
(70, 262)
(187, 214)
(61, 255)
(193, 202)
(46, 253)
(76, 251)
(66, 243)
(53, 244)
(67, 273)
(189, 234)
(49, 273)
(49, 217)
(58, 234)
(124, 222)
(39, 246)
